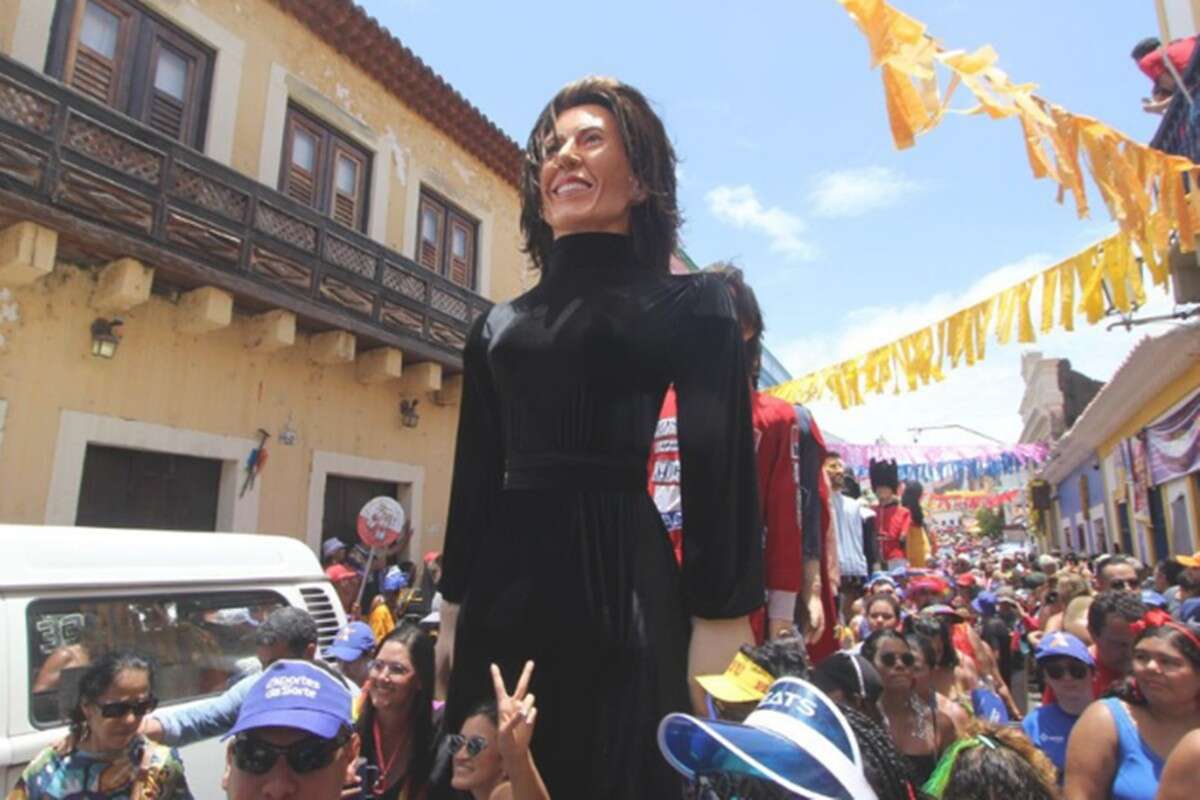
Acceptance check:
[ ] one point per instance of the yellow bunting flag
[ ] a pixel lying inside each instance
(1105, 276)
(1142, 188)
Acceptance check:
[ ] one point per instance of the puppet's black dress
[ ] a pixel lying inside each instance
(553, 546)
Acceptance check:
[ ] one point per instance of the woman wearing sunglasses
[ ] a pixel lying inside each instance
(109, 759)
(1067, 668)
(478, 768)
(396, 720)
(913, 725)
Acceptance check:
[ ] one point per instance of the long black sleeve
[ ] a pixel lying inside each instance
(478, 467)
(811, 460)
(723, 532)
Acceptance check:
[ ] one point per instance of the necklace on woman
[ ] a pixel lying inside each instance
(385, 764)
(113, 754)
(920, 715)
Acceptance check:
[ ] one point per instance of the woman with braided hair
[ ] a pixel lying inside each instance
(1118, 747)
(886, 770)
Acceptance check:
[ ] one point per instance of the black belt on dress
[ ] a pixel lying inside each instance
(582, 471)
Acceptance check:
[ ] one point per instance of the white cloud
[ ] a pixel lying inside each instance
(854, 192)
(739, 206)
(985, 397)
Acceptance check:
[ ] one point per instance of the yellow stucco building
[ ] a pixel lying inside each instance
(221, 220)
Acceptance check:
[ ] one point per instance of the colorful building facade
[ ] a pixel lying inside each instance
(230, 228)
(1126, 476)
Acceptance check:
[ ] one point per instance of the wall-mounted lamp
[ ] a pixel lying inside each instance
(106, 335)
(409, 417)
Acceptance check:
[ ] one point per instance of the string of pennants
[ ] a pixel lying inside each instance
(941, 462)
(1142, 189)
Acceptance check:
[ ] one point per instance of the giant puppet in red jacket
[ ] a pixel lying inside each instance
(892, 520)
(776, 444)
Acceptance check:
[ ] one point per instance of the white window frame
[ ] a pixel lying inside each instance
(236, 513)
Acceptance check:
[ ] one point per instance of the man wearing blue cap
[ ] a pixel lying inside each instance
(333, 551)
(352, 649)
(1068, 667)
(293, 737)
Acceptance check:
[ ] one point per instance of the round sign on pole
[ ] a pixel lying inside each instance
(380, 522)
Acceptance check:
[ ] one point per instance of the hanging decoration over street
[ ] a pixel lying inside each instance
(1110, 272)
(938, 462)
(970, 501)
(1142, 188)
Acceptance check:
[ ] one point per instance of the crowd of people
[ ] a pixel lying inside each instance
(740, 618)
(1101, 702)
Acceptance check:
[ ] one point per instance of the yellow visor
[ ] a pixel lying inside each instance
(742, 682)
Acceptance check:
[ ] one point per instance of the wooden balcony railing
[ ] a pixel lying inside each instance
(114, 187)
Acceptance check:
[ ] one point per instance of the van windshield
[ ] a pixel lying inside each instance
(199, 643)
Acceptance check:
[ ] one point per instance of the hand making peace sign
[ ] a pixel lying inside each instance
(516, 714)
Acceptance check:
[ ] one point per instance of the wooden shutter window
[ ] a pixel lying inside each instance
(432, 215)
(324, 170)
(446, 240)
(348, 172)
(93, 67)
(169, 93)
(123, 55)
(462, 248)
(303, 155)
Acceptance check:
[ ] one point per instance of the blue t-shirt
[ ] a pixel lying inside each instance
(1049, 728)
(1139, 768)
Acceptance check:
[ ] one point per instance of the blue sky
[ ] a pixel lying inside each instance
(787, 164)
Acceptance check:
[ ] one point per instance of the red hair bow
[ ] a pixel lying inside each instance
(1154, 618)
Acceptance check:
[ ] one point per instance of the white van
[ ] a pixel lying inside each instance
(190, 601)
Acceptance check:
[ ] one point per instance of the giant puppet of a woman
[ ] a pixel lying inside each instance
(554, 551)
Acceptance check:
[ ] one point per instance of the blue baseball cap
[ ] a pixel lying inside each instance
(1153, 599)
(331, 546)
(796, 738)
(296, 694)
(985, 603)
(393, 580)
(1061, 643)
(351, 643)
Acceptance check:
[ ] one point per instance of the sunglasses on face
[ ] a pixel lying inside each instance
(306, 755)
(1129, 583)
(475, 744)
(1058, 671)
(122, 709)
(889, 659)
